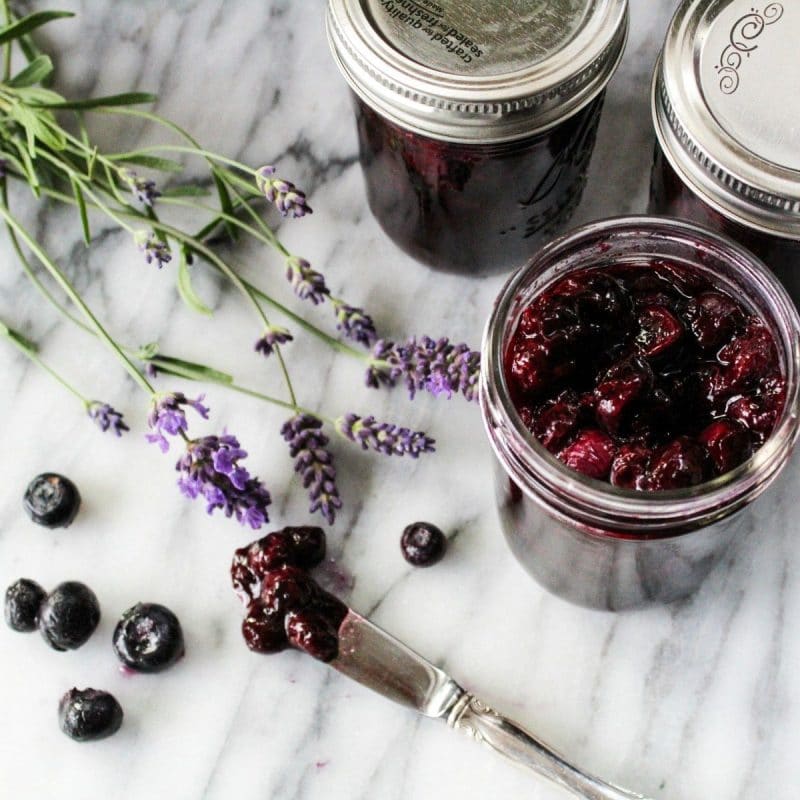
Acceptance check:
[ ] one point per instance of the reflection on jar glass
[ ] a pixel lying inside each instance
(726, 119)
(586, 540)
(476, 125)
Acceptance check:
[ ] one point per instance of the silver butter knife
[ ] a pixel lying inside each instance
(377, 660)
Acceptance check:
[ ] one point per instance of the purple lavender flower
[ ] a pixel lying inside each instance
(284, 195)
(271, 339)
(145, 191)
(427, 365)
(384, 437)
(308, 284)
(314, 463)
(168, 417)
(153, 248)
(211, 469)
(106, 418)
(355, 323)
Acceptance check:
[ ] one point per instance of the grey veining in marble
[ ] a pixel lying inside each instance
(696, 701)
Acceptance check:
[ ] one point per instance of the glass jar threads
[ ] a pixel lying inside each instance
(476, 120)
(727, 115)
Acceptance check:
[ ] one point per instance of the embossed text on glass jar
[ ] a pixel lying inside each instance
(587, 541)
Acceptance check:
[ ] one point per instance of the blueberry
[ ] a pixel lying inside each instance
(308, 545)
(270, 552)
(288, 589)
(23, 600)
(590, 454)
(87, 715)
(423, 544)
(311, 632)
(148, 638)
(52, 500)
(263, 629)
(69, 616)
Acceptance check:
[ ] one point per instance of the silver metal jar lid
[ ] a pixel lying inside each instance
(726, 105)
(477, 70)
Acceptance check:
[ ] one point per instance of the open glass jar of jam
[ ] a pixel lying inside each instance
(476, 120)
(639, 388)
(727, 116)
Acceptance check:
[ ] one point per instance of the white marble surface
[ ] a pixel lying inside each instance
(696, 701)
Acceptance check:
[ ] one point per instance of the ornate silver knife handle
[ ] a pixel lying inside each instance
(485, 725)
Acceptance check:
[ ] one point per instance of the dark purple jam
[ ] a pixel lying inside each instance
(474, 208)
(646, 376)
(670, 196)
(285, 605)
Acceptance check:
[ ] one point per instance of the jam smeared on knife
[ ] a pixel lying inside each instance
(646, 376)
(285, 605)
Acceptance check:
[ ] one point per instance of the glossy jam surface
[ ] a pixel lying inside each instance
(285, 605)
(473, 208)
(647, 376)
(670, 196)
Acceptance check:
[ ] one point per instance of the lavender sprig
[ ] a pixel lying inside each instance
(314, 463)
(211, 468)
(271, 339)
(430, 365)
(145, 191)
(383, 437)
(168, 417)
(284, 195)
(106, 418)
(355, 323)
(153, 248)
(308, 284)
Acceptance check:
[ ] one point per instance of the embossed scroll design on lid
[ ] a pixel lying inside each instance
(744, 32)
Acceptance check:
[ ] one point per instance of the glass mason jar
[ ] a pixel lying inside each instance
(726, 116)
(590, 542)
(476, 123)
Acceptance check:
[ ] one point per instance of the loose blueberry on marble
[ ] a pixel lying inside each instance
(423, 544)
(22, 602)
(285, 605)
(52, 500)
(648, 376)
(69, 615)
(87, 715)
(148, 638)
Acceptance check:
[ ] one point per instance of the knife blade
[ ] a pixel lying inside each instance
(375, 659)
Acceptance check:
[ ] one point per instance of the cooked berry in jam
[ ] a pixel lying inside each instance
(69, 616)
(22, 602)
(52, 500)
(285, 605)
(423, 544)
(87, 715)
(148, 638)
(646, 376)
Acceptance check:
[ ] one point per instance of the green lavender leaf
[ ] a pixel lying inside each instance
(151, 162)
(190, 370)
(185, 191)
(77, 191)
(225, 202)
(36, 96)
(36, 71)
(125, 99)
(187, 291)
(30, 23)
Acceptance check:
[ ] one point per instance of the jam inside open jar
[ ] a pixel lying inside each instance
(726, 118)
(476, 124)
(619, 546)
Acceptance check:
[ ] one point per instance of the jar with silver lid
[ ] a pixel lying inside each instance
(476, 118)
(727, 117)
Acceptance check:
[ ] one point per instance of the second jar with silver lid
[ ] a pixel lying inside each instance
(727, 116)
(476, 118)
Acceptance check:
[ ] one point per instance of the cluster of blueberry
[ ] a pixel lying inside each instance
(147, 638)
(286, 606)
(647, 376)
